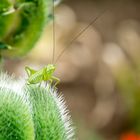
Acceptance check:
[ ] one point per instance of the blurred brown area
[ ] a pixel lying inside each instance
(86, 80)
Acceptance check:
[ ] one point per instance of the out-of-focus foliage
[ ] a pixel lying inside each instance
(125, 69)
(21, 24)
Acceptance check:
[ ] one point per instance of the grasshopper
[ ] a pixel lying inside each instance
(46, 74)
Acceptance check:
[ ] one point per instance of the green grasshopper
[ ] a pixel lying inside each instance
(46, 74)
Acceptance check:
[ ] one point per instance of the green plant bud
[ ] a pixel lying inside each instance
(51, 118)
(31, 18)
(15, 112)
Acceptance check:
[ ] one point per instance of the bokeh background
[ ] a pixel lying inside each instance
(99, 71)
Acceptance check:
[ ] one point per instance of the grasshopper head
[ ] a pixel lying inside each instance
(51, 68)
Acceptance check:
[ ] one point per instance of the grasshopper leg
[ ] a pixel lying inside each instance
(50, 80)
(57, 80)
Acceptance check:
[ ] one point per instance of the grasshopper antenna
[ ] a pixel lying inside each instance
(53, 11)
(79, 34)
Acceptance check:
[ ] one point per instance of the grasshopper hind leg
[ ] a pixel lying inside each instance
(57, 80)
